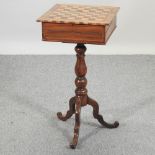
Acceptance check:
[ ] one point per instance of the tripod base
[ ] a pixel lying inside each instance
(74, 108)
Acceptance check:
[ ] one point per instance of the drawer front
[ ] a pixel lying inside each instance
(73, 33)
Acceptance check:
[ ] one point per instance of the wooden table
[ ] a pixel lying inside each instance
(81, 24)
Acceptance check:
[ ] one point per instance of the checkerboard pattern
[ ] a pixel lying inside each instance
(80, 14)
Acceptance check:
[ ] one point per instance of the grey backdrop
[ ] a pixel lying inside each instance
(34, 88)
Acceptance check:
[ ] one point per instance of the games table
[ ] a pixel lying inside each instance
(80, 24)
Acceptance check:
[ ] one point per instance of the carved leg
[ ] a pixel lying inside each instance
(77, 123)
(99, 117)
(70, 112)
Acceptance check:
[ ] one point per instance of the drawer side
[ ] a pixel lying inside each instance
(109, 29)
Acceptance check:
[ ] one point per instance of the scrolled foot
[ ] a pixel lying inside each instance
(116, 124)
(99, 117)
(61, 117)
(73, 144)
(70, 112)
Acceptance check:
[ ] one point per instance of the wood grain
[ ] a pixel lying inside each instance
(73, 33)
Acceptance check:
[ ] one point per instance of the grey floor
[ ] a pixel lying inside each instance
(34, 88)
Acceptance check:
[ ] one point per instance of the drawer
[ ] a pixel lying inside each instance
(77, 33)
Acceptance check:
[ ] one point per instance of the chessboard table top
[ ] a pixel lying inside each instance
(80, 14)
